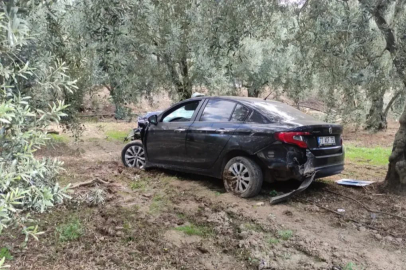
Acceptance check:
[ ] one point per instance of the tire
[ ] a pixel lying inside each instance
(243, 177)
(133, 155)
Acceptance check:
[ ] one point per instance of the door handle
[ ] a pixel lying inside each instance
(180, 130)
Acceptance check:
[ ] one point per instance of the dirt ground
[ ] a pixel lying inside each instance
(166, 220)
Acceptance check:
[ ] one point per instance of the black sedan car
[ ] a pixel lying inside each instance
(243, 141)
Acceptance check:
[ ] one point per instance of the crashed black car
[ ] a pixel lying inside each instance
(243, 141)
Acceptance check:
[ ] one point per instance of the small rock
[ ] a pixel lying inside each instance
(398, 252)
(399, 240)
(389, 238)
(362, 229)
(288, 213)
(378, 236)
(260, 204)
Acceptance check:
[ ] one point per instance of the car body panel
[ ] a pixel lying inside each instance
(203, 147)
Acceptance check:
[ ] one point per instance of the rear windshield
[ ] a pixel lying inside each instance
(277, 111)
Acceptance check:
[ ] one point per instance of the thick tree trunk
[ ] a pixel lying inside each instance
(376, 119)
(396, 175)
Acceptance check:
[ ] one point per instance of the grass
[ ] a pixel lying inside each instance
(352, 266)
(377, 156)
(138, 185)
(272, 241)
(70, 231)
(116, 135)
(5, 253)
(195, 230)
(55, 138)
(285, 234)
(158, 202)
(253, 227)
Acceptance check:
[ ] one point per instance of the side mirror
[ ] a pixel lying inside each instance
(153, 119)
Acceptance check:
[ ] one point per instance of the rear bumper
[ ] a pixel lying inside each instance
(329, 170)
(288, 168)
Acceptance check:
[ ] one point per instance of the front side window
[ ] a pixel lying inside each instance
(182, 114)
(218, 110)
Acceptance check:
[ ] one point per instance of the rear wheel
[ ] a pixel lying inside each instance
(133, 155)
(243, 177)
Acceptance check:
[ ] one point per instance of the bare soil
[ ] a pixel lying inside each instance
(140, 224)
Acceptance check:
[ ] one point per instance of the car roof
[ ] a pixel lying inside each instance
(237, 98)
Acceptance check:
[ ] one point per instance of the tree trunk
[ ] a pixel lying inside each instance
(376, 119)
(253, 92)
(396, 175)
(395, 179)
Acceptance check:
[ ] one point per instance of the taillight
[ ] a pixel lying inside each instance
(293, 138)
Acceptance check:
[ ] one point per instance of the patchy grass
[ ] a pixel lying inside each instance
(285, 234)
(55, 138)
(272, 241)
(138, 185)
(116, 135)
(5, 253)
(70, 231)
(253, 227)
(377, 156)
(352, 266)
(158, 203)
(195, 230)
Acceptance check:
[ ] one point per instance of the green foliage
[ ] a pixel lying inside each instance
(70, 231)
(378, 156)
(285, 234)
(352, 266)
(5, 253)
(26, 183)
(116, 135)
(195, 230)
(55, 138)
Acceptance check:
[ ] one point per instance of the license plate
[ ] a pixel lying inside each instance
(325, 141)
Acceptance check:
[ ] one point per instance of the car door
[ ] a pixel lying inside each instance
(209, 134)
(165, 141)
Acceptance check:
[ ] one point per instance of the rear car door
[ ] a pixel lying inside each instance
(209, 134)
(165, 142)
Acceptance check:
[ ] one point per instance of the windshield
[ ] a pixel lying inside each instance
(277, 111)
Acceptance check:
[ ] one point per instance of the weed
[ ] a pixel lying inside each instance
(5, 253)
(273, 241)
(285, 234)
(352, 266)
(138, 185)
(377, 156)
(70, 231)
(217, 193)
(181, 215)
(273, 193)
(195, 230)
(116, 135)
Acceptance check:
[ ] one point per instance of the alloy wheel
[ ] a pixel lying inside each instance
(135, 156)
(239, 178)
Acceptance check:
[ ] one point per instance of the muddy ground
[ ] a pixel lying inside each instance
(167, 220)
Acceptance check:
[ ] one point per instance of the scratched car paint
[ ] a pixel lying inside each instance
(243, 141)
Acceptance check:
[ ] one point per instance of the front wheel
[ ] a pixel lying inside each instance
(243, 177)
(133, 155)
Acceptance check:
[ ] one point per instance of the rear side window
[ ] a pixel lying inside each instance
(240, 113)
(217, 111)
(256, 117)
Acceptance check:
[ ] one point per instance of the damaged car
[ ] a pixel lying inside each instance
(243, 141)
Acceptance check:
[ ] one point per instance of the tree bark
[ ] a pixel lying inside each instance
(395, 179)
(376, 119)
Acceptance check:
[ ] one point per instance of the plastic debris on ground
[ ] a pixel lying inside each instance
(352, 182)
